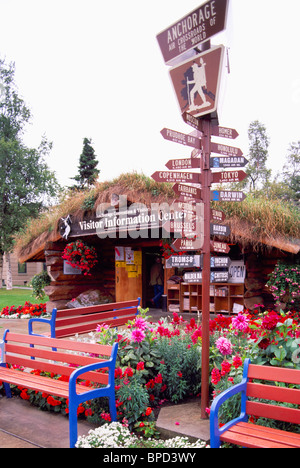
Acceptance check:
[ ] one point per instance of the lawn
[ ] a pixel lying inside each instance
(17, 297)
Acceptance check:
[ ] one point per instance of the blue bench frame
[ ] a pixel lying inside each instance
(74, 398)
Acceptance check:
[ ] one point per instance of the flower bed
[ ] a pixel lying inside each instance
(160, 363)
(27, 310)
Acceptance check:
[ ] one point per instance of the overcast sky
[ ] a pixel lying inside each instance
(94, 69)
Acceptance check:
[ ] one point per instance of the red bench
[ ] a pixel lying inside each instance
(72, 359)
(80, 320)
(240, 431)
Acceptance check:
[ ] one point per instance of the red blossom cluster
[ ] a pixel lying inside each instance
(34, 310)
(79, 255)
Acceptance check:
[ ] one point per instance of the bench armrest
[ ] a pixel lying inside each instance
(2, 352)
(215, 430)
(110, 364)
(50, 322)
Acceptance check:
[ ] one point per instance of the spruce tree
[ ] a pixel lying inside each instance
(87, 169)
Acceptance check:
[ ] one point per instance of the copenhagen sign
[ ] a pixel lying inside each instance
(193, 29)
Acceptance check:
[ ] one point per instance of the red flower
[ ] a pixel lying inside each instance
(215, 376)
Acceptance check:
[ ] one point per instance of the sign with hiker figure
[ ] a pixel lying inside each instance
(197, 81)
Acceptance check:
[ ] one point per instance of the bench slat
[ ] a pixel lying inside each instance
(274, 374)
(279, 413)
(269, 392)
(96, 308)
(87, 327)
(252, 436)
(38, 383)
(103, 350)
(95, 317)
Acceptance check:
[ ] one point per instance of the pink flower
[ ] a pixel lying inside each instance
(140, 323)
(224, 346)
(240, 323)
(137, 336)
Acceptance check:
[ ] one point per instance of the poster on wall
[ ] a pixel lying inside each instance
(70, 270)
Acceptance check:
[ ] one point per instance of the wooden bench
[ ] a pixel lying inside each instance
(35, 352)
(240, 431)
(70, 322)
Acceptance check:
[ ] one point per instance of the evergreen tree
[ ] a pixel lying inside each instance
(88, 172)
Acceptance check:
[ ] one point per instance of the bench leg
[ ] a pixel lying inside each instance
(73, 430)
(7, 390)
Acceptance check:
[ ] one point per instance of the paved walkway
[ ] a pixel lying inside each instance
(24, 426)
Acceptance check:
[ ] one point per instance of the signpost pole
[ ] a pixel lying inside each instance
(206, 184)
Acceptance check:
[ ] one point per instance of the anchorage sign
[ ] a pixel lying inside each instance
(195, 28)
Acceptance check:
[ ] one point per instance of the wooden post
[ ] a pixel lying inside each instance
(206, 184)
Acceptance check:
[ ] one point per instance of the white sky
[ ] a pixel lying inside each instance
(94, 69)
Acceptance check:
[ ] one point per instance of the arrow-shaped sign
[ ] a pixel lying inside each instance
(187, 192)
(225, 149)
(219, 230)
(227, 196)
(189, 163)
(220, 262)
(182, 138)
(185, 244)
(224, 132)
(165, 176)
(217, 162)
(228, 176)
(219, 247)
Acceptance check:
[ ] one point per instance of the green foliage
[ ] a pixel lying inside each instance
(284, 284)
(87, 169)
(26, 183)
(38, 284)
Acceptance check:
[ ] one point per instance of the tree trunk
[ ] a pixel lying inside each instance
(1, 268)
(9, 275)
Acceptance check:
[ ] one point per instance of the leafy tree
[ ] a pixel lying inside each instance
(88, 172)
(26, 182)
(258, 174)
(291, 172)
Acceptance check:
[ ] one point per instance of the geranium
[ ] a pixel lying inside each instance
(224, 346)
(79, 255)
(215, 376)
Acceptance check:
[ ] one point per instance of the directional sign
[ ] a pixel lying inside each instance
(228, 176)
(220, 262)
(187, 192)
(182, 138)
(219, 277)
(184, 227)
(217, 215)
(219, 230)
(193, 29)
(228, 161)
(192, 121)
(215, 277)
(165, 176)
(184, 261)
(186, 244)
(189, 163)
(227, 196)
(224, 132)
(225, 150)
(196, 82)
(219, 247)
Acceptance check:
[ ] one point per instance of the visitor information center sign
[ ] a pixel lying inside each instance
(193, 29)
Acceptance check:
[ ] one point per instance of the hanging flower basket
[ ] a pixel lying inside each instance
(79, 255)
